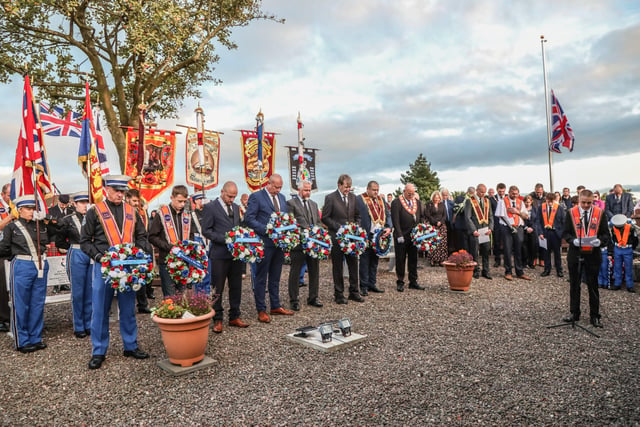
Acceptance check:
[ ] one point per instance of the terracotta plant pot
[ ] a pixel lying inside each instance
(185, 340)
(459, 277)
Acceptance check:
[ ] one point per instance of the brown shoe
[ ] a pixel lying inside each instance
(217, 326)
(508, 277)
(264, 317)
(282, 310)
(524, 277)
(238, 323)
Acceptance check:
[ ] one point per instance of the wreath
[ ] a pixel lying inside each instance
(244, 244)
(381, 244)
(187, 262)
(352, 239)
(425, 237)
(126, 268)
(316, 242)
(283, 230)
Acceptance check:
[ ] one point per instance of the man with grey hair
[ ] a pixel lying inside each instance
(406, 213)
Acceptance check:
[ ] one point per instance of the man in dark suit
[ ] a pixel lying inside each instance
(307, 214)
(267, 272)
(405, 215)
(477, 213)
(498, 228)
(549, 226)
(585, 221)
(618, 202)
(374, 216)
(219, 217)
(448, 209)
(340, 208)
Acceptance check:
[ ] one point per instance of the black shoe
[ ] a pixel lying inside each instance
(571, 318)
(496, 264)
(595, 321)
(376, 289)
(545, 273)
(315, 303)
(632, 290)
(295, 306)
(400, 288)
(144, 310)
(40, 346)
(65, 288)
(87, 331)
(476, 275)
(151, 296)
(560, 274)
(80, 334)
(615, 288)
(302, 285)
(4, 327)
(96, 361)
(356, 297)
(364, 292)
(136, 354)
(27, 348)
(416, 286)
(341, 300)
(487, 276)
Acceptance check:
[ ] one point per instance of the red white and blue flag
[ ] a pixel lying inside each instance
(88, 152)
(30, 170)
(55, 123)
(562, 134)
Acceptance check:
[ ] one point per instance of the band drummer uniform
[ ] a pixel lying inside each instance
(79, 265)
(108, 223)
(28, 275)
(625, 240)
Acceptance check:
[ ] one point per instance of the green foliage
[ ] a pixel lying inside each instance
(133, 51)
(421, 175)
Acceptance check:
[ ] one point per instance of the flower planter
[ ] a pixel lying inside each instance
(185, 340)
(459, 277)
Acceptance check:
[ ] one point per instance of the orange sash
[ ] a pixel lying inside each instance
(621, 240)
(110, 226)
(170, 226)
(482, 215)
(516, 218)
(376, 209)
(144, 217)
(592, 230)
(548, 219)
(3, 212)
(414, 205)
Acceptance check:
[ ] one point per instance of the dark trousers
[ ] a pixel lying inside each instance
(512, 245)
(498, 240)
(483, 250)
(590, 266)
(298, 259)
(553, 245)
(227, 270)
(529, 248)
(368, 269)
(5, 314)
(267, 276)
(337, 256)
(406, 253)
(141, 297)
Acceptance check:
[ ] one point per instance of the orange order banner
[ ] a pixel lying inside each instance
(159, 159)
(256, 178)
(209, 174)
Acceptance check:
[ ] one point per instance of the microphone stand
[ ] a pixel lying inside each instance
(573, 322)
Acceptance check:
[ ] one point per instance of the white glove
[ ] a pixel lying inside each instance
(401, 239)
(596, 243)
(576, 243)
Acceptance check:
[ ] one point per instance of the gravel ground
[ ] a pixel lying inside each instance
(430, 357)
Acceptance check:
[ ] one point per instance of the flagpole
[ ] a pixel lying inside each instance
(546, 107)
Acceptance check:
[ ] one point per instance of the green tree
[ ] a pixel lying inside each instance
(155, 52)
(421, 175)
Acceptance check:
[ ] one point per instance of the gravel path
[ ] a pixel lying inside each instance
(431, 357)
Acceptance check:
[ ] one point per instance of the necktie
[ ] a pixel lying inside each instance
(275, 203)
(548, 211)
(586, 221)
(513, 204)
(308, 212)
(229, 211)
(446, 209)
(482, 204)
(344, 199)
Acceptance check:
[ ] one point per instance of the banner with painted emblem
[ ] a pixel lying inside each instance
(159, 160)
(211, 155)
(302, 171)
(256, 178)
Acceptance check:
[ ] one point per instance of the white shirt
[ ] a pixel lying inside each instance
(501, 212)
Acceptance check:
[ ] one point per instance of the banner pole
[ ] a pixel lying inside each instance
(546, 105)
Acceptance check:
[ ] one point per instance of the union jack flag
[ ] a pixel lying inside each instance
(562, 134)
(55, 123)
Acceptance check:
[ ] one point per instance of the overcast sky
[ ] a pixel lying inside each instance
(378, 82)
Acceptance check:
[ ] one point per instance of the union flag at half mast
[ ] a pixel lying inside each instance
(562, 134)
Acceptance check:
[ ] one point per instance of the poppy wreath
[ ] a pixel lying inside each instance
(381, 244)
(244, 244)
(425, 237)
(187, 263)
(352, 239)
(283, 230)
(126, 268)
(316, 242)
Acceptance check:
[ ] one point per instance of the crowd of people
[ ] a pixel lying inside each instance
(520, 232)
